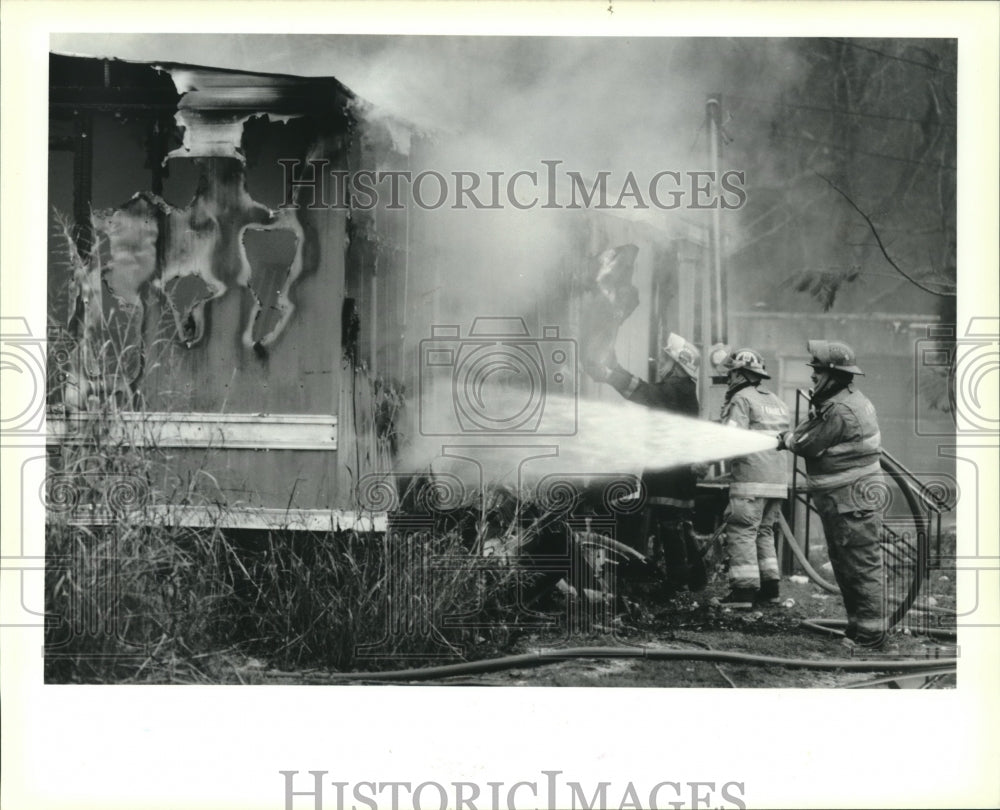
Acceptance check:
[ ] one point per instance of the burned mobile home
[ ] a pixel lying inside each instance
(246, 369)
(238, 327)
(278, 348)
(274, 347)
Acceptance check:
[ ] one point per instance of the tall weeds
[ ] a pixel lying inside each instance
(133, 595)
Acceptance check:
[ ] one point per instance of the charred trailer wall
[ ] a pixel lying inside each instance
(209, 308)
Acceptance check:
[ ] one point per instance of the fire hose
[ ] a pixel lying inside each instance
(801, 557)
(544, 657)
(834, 626)
(935, 667)
(916, 666)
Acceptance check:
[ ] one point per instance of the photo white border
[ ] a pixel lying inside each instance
(222, 747)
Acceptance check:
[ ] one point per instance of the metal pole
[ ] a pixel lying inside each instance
(654, 337)
(792, 505)
(706, 342)
(713, 112)
(795, 468)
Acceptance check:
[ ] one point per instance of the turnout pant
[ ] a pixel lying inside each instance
(852, 539)
(750, 540)
(673, 547)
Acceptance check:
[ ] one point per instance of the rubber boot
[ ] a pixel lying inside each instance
(697, 575)
(769, 593)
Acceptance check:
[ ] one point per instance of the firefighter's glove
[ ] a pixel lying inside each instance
(700, 470)
(601, 369)
(781, 441)
(620, 380)
(597, 372)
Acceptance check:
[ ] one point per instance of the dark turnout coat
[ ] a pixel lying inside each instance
(675, 393)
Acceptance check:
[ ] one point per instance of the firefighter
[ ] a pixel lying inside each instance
(759, 484)
(670, 493)
(841, 444)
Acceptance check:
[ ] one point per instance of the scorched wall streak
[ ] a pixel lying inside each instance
(224, 303)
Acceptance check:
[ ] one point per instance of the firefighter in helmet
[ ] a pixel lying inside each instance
(670, 492)
(759, 484)
(841, 444)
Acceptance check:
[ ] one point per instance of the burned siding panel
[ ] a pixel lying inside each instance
(182, 265)
(375, 364)
(122, 163)
(232, 300)
(379, 255)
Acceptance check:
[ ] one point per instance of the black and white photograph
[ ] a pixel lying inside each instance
(401, 372)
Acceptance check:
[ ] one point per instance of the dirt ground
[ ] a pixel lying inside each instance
(773, 631)
(692, 621)
(695, 621)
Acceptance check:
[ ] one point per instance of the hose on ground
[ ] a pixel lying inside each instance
(930, 674)
(544, 657)
(834, 627)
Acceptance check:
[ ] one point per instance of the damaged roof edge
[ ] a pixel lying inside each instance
(207, 91)
(213, 103)
(172, 66)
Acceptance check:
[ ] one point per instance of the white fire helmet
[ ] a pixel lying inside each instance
(724, 360)
(685, 354)
(748, 360)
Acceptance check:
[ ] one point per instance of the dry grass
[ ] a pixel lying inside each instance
(138, 600)
(131, 597)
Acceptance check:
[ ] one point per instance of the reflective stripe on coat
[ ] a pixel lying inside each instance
(840, 442)
(763, 474)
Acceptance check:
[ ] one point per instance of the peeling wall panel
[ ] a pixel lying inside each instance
(228, 303)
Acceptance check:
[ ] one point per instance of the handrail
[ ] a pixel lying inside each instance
(923, 491)
(914, 492)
